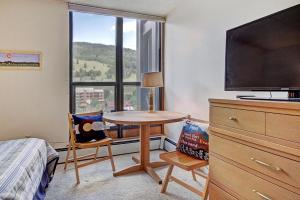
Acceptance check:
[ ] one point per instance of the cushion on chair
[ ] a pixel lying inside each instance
(89, 128)
(193, 141)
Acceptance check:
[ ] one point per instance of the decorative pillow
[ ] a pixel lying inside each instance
(193, 141)
(88, 128)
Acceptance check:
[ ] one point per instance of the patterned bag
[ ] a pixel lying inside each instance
(193, 141)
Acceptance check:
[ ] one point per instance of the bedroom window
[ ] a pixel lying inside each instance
(93, 62)
(107, 57)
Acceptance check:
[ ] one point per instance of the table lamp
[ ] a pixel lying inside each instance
(152, 80)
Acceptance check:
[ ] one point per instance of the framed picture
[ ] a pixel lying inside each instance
(20, 59)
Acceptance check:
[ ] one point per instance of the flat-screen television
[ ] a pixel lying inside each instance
(264, 55)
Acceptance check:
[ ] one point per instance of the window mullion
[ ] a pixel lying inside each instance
(132, 83)
(71, 89)
(119, 64)
(94, 83)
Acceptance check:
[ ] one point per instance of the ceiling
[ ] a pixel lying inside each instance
(150, 7)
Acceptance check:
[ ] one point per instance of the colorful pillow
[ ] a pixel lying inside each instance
(88, 128)
(193, 141)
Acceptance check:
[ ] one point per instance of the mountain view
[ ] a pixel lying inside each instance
(96, 62)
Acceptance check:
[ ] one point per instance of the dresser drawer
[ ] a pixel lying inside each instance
(240, 119)
(246, 184)
(278, 167)
(216, 193)
(286, 127)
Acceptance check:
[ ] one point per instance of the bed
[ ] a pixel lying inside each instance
(26, 168)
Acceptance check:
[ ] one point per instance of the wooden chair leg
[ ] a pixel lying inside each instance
(76, 166)
(97, 149)
(205, 191)
(111, 158)
(167, 178)
(67, 157)
(194, 175)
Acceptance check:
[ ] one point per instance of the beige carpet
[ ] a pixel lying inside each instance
(97, 182)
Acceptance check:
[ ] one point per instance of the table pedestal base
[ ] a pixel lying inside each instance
(144, 164)
(139, 167)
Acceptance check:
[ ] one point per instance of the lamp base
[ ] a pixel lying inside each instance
(151, 101)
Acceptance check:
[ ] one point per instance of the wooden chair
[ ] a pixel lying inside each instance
(188, 163)
(74, 146)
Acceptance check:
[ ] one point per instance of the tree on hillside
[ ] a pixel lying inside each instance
(92, 75)
(98, 73)
(109, 73)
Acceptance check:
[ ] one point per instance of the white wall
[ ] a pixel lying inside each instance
(35, 103)
(195, 50)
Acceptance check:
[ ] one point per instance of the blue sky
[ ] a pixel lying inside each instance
(101, 29)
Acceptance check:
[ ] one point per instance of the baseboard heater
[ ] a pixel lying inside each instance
(118, 142)
(129, 141)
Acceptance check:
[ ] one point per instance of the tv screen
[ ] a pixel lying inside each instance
(264, 55)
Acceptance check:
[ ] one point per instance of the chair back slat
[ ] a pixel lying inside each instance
(197, 120)
(90, 113)
(72, 137)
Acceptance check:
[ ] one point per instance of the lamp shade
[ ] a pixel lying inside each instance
(152, 79)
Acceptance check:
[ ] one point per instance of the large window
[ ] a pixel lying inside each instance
(107, 57)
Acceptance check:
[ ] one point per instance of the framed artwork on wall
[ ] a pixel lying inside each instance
(10, 59)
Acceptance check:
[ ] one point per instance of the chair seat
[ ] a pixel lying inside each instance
(93, 144)
(182, 160)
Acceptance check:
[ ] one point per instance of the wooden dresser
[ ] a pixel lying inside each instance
(254, 150)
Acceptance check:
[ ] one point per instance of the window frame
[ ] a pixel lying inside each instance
(118, 84)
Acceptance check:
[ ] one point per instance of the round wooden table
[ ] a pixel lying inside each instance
(144, 119)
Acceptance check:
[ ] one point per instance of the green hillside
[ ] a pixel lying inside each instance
(96, 62)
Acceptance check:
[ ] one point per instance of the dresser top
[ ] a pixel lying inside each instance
(259, 103)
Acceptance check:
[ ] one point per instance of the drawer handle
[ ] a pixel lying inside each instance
(232, 118)
(266, 164)
(261, 195)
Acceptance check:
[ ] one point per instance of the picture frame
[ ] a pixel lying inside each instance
(20, 60)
